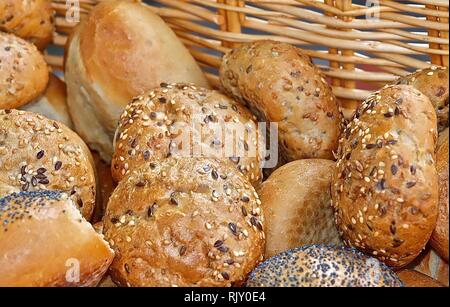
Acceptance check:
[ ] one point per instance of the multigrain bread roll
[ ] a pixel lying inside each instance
(385, 186)
(433, 83)
(175, 223)
(30, 20)
(52, 103)
(37, 153)
(44, 241)
(296, 201)
(322, 266)
(411, 278)
(23, 72)
(184, 120)
(280, 84)
(439, 238)
(121, 50)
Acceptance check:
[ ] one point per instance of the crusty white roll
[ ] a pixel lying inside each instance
(121, 50)
(44, 241)
(23, 72)
(37, 153)
(52, 103)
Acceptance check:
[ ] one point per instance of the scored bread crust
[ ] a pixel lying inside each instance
(30, 20)
(174, 222)
(385, 187)
(37, 153)
(158, 123)
(433, 83)
(296, 201)
(280, 84)
(46, 242)
(23, 72)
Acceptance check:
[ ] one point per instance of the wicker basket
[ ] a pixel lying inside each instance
(359, 47)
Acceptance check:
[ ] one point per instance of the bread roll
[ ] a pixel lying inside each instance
(44, 241)
(184, 120)
(174, 223)
(37, 153)
(385, 186)
(23, 72)
(297, 206)
(52, 103)
(31, 20)
(322, 266)
(439, 238)
(431, 264)
(412, 278)
(433, 83)
(280, 84)
(121, 50)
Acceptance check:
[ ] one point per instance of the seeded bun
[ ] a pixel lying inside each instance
(52, 103)
(296, 201)
(44, 240)
(280, 84)
(120, 50)
(156, 125)
(175, 223)
(439, 238)
(30, 20)
(23, 72)
(322, 266)
(433, 83)
(411, 278)
(37, 153)
(385, 186)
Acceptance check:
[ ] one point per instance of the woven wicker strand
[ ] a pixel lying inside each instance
(356, 54)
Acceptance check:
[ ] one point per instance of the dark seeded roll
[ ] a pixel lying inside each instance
(385, 184)
(322, 266)
(184, 222)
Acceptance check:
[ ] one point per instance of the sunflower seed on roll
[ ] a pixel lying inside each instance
(322, 266)
(37, 153)
(385, 184)
(172, 223)
(180, 119)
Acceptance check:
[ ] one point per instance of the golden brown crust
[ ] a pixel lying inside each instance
(433, 83)
(296, 201)
(439, 238)
(175, 223)
(23, 72)
(37, 153)
(46, 242)
(52, 103)
(158, 123)
(385, 187)
(30, 20)
(413, 278)
(431, 264)
(121, 50)
(280, 84)
(105, 186)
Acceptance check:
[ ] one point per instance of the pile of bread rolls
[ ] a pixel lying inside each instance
(98, 187)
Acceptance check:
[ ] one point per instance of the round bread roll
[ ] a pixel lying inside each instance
(23, 72)
(385, 187)
(44, 241)
(439, 238)
(280, 84)
(120, 51)
(30, 20)
(175, 223)
(183, 120)
(431, 264)
(433, 83)
(411, 278)
(37, 153)
(322, 266)
(296, 201)
(52, 103)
